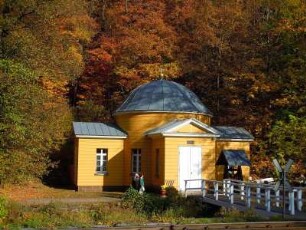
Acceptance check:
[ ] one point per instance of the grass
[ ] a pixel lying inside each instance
(59, 215)
(135, 209)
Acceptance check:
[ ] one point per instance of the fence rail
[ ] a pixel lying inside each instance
(280, 225)
(251, 194)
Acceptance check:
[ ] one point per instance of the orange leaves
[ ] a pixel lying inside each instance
(137, 46)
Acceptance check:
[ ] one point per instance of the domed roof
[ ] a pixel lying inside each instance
(163, 96)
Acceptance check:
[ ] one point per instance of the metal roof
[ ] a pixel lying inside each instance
(163, 96)
(233, 158)
(168, 128)
(97, 129)
(230, 132)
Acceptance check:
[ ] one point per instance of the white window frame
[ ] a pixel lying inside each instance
(136, 161)
(101, 160)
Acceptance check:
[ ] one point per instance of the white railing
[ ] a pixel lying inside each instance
(251, 194)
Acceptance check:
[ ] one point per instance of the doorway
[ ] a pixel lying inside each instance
(190, 167)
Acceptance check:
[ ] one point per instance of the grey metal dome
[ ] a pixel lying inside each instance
(163, 96)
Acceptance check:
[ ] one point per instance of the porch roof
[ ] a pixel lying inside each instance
(233, 133)
(233, 158)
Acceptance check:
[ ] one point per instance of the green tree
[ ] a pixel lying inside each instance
(47, 36)
(31, 124)
(287, 139)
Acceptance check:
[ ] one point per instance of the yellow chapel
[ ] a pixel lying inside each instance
(164, 131)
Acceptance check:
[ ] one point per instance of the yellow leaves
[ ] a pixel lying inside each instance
(54, 87)
(158, 71)
(78, 27)
(75, 54)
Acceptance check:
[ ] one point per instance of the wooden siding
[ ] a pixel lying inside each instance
(136, 124)
(86, 174)
(172, 145)
(137, 142)
(158, 143)
(237, 145)
(146, 121)
(75, 161)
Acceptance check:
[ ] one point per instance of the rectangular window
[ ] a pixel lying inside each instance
(101, 160)
(136, 160)
(157, 162)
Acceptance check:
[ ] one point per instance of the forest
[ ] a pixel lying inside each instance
(64, 61)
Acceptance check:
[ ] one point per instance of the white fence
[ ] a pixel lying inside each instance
(251, 194)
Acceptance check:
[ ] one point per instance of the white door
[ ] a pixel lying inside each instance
(189, 167)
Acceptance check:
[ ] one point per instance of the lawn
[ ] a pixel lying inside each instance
(134, 209)
(35, 190)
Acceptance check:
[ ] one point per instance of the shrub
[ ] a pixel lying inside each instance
(3, 209)
(132, 199)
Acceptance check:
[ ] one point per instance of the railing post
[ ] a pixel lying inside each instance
(216, 188)
(232, 193)
(242, 193)
(248, 196)
(203, 188)
(299, 199)
(268, 199)
(291, 203)
(277, 198)
(228, 188)
(186, 188)
(258, 194)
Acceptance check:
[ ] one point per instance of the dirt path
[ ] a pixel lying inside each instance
(36, 193)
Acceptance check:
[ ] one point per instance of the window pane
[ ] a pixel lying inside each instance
(136, 160)
(104, 167)
(101, 160)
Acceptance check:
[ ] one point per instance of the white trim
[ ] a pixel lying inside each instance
(100, 137)
(189, 135)
(228, 139)
(191, 121)
(194, 122)
(179, 126)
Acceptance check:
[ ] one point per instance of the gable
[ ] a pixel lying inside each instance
(190, 128)
(186, 127)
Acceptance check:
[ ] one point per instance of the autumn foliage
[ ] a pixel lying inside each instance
(244, 59)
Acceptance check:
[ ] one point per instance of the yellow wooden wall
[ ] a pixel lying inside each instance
(172, 145)
(136, 124)
(228, 145)
(86, 160)
(75, 161)
(157, 143)
(143, 122)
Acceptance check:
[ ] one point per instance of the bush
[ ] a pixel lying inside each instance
(132, 199)
(171, 207)
(3, 209)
